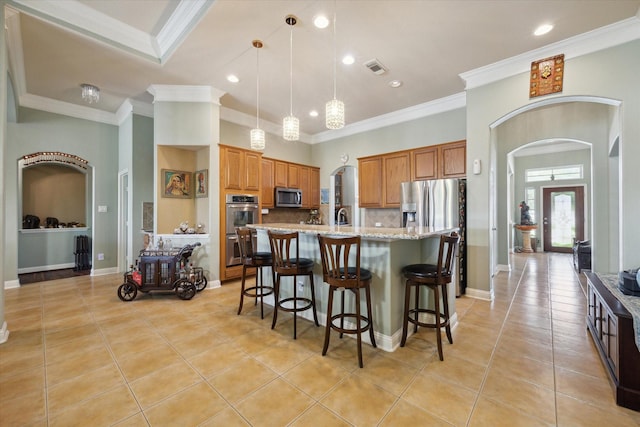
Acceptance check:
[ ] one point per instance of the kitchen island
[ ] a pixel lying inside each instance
(384, 252)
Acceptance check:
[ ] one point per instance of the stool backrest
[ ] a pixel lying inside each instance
(446, 254)
(245, 242)
(336, 269)
(284, 257)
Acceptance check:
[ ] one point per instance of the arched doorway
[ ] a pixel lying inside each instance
(585, 119)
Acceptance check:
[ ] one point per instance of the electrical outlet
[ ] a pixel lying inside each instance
(100, 257)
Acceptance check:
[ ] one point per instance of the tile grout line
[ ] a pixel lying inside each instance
(525, 267)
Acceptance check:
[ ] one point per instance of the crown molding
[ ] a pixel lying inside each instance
(76, 16)
(185, 93)
(141, 108)
(72, 110)
(582, 44)
(181, 22)
(430, 108)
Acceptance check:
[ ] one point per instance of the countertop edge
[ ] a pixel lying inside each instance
(369, 233)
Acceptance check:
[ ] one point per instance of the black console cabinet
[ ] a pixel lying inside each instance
(611, 327)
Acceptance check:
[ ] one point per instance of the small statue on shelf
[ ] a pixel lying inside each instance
(525, 217)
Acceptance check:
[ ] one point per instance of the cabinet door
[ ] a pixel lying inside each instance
(267, 183)
(424, 163)
(370, 174)
(280, 176)
(232, 166)
(315, 187)
(453, 160)
(396, 171)
(305, 185)
(293, 176)
(252, 171)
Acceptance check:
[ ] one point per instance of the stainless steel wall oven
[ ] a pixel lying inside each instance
(241, 209)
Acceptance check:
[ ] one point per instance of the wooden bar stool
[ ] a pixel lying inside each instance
(287, 263)
(257, 260)
(433, 277)
(341, 274)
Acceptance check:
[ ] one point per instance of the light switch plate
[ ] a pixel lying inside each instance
(102, 208)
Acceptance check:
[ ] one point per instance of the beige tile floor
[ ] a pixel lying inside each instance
(77, 355)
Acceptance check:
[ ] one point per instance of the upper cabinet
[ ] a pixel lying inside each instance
(453, 163)
(278, 173)
(240, 169)
(268, 186)
(380, 176)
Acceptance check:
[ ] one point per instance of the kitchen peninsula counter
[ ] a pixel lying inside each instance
(384, 251)
(366, 233)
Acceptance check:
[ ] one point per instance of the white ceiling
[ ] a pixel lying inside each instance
(124, 46)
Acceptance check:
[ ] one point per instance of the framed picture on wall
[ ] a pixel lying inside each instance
(201, 180)
(177, 184)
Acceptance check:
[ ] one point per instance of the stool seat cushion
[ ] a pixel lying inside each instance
(302, 262)
(420, 270)
(364, 273)
(262, 255)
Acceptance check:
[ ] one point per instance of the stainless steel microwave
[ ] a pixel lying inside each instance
(288, 197)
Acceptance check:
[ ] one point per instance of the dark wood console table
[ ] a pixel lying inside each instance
(611, 326)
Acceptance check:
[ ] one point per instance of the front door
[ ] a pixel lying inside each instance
(563, 218)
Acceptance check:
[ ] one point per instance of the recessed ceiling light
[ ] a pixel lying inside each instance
(233, 78)
(321, 21)
(313, 113)
(395, 83)
(348, 60)
(543, 29)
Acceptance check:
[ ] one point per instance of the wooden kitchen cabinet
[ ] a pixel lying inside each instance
(293, 176)
(424, 163)
(396, 171)
(315, 187)
(240, 169)
(268, 185)
(304, 185)
(453, 160)
(280, 174)
(370, 182)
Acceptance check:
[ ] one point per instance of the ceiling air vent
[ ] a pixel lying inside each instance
(375, 66)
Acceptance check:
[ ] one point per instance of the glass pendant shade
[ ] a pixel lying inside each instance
(335, 114)
(291, 128)
(257, 139)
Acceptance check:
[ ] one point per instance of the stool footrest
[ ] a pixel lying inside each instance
(444, 320)
(253, 291)
(306, 301)
(354, 316)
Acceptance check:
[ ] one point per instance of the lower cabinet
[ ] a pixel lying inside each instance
(611, 327)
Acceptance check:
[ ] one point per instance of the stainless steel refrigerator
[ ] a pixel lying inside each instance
(439, 203)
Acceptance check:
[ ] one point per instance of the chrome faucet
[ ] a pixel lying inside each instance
(342, 216)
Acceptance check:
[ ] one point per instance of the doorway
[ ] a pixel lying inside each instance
(563, 217)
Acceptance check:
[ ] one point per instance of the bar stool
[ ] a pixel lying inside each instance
(257, 260)
(340, 274)
(434, 277)
(288, 264)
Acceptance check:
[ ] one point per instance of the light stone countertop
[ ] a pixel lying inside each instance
(369, 233)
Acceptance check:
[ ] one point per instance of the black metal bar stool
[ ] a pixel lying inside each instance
(433, 277)
(341, 274)
(257, 260)
(287, 263)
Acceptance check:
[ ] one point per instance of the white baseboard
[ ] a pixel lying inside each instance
(11, 284)
(4, 333)
(502, 267)
(104, 271)
(45, 268)
(479, 294)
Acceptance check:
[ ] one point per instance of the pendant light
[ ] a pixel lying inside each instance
(334, 118)
(291, 124)
(257, 134)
